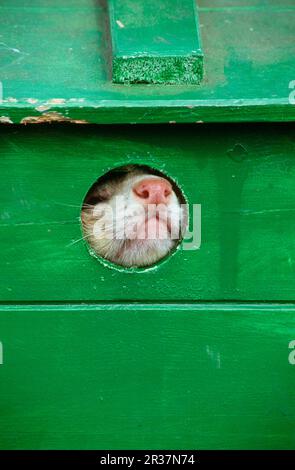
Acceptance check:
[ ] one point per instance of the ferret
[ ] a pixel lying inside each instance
(133, 216)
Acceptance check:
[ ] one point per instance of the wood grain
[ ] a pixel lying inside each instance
(248, 47)
(156, 377)
(242, 176)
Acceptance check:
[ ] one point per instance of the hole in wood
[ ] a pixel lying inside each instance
(134, 216)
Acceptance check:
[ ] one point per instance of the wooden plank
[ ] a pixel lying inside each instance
(249, 48)
(138, 377)
(242, 177)
(155, 42)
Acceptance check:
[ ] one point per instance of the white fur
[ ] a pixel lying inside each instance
(115, 229)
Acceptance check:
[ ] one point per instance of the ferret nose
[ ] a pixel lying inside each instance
(153, 190)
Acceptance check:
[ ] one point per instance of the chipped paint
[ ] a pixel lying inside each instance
(50, 117)
(5, 120)
(120, 24)
(32, 100)
(11, 100)
(56, 101)
(42, 107)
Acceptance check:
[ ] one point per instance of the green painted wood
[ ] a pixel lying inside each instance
(242, 176)
(248, 45)
(147, 377)
(155, 42)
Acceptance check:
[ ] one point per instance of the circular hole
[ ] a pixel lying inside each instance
(134, 216)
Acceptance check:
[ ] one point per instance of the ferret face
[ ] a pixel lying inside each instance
(133, 216)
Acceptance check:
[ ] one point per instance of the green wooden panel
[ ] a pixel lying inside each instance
(242, 177)
(155, 42)
(147, 377)
(56, 56)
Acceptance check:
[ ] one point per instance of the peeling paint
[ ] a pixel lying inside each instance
(11, 100)
(42, 107)
(5, 120)
(56, 101)
(50, 117)
(32, 100)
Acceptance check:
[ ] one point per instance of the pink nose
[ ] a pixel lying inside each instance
(153, 190)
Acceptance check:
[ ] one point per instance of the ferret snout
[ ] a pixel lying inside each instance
(153, 191)
(134, 218)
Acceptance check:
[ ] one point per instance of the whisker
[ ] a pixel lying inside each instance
(73, 205)
(79, 240)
